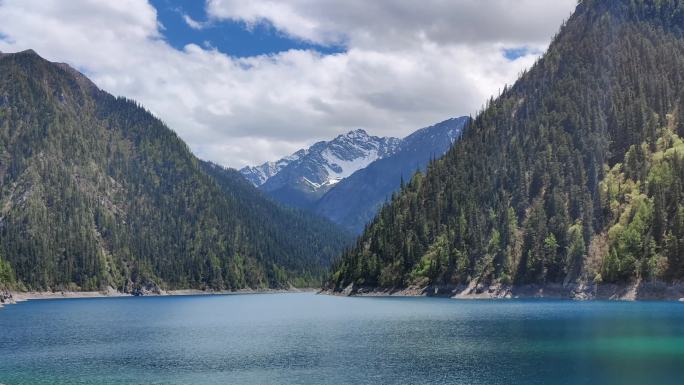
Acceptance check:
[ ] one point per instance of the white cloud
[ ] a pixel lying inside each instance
(407, 64)
(392, 24)
(192, 23)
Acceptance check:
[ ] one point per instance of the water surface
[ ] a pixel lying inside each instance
(313, 339)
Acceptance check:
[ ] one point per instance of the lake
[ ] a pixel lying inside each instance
(316, 339)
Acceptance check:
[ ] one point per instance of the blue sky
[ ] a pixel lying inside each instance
(514, 53)
(247, 81)
(234, 38)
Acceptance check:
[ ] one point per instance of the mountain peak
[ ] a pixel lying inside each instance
(307, 174)
(29, 57)
(28, 52)
(341, 156)
(359, 133)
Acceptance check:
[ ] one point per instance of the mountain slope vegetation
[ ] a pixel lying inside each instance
(96, 192)
(574, 174)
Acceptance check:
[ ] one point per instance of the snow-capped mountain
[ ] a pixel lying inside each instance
(347, 178)
(304, 176)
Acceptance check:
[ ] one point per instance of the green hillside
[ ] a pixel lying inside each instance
(96, 192)
(573, 174)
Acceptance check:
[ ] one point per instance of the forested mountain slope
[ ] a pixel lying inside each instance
(574, 174)
(290, 228)
(97, 192)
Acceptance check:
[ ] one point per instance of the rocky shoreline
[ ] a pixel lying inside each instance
(12, 297)
(6, 297)
(638, 291)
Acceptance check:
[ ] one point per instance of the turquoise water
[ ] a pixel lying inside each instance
(313, 339)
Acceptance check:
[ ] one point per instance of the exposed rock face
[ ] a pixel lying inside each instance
(146, 288)
(6, 297)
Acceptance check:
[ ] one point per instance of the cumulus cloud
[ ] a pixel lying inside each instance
(405, 64)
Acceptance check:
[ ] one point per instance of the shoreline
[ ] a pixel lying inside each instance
(650, 291)
(637, 291)
(14, 297)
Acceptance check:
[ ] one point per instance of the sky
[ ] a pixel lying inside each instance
(247, 81)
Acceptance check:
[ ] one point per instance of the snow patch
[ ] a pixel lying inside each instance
(338, 168)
